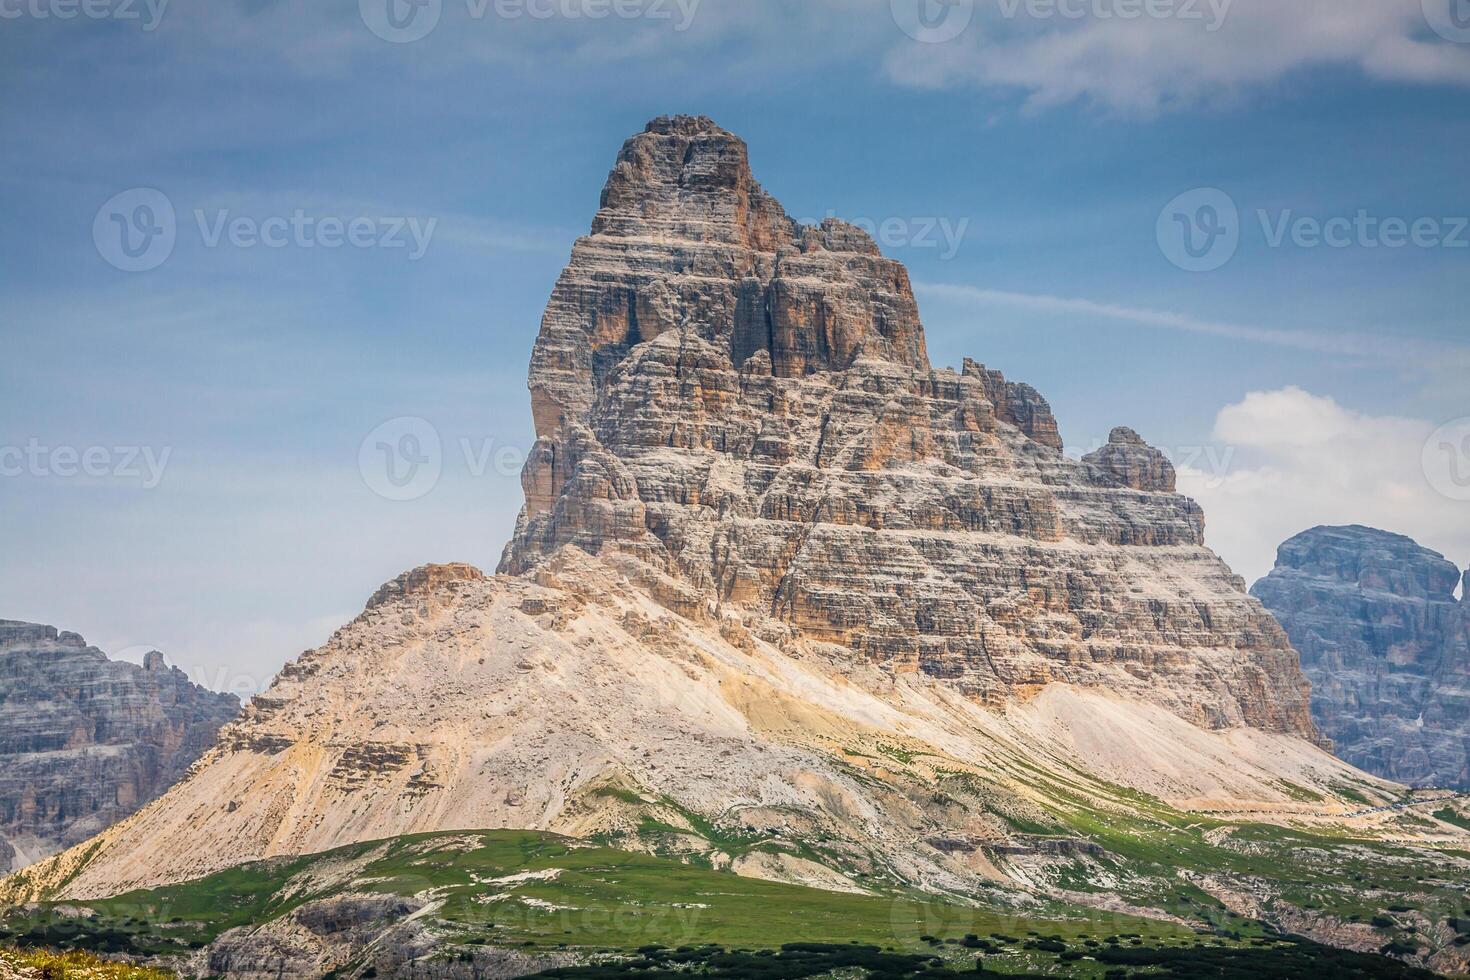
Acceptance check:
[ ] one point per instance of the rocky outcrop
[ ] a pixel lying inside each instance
(1133, 463)
(425, 581)
(744, 406)
(1386, 645)
(85, 741)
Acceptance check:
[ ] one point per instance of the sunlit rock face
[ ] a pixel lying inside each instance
(744, 406)
(1386, 646)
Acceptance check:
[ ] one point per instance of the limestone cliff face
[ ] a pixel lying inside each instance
(85, 741)
(744, 405)
(1386, 647)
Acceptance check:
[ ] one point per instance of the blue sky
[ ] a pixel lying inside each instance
(1295, 384)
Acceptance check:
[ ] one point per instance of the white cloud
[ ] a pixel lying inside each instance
(1140, 65)
(1147, 65)
(1298, 460)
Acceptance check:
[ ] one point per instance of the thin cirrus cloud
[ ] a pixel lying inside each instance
(1146, 65)
(1400, 349)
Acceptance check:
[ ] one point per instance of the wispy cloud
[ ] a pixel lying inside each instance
(1297, 460)
(1342, 343)
(1205, 53)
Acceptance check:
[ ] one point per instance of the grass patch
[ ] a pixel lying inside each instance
(1452, 817)
(73, 965)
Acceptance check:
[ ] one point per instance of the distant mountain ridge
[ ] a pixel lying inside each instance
(85, 741)
(1386, 645)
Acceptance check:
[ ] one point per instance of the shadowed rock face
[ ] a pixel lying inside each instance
(743, 407)
(1386, 647)
(85, 741)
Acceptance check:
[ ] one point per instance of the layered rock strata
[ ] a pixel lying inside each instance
(745, 406)
(85, 741)
(1386, 645)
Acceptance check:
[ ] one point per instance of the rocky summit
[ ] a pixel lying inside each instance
(85, 741)
(1386, 645)
(741, 410)
(786, 600)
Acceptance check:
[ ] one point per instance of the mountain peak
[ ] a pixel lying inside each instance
(743, 409)
(1370, 558)
(686, 125)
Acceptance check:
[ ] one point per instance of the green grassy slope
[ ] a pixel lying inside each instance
(666, 917)
(516, 887)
